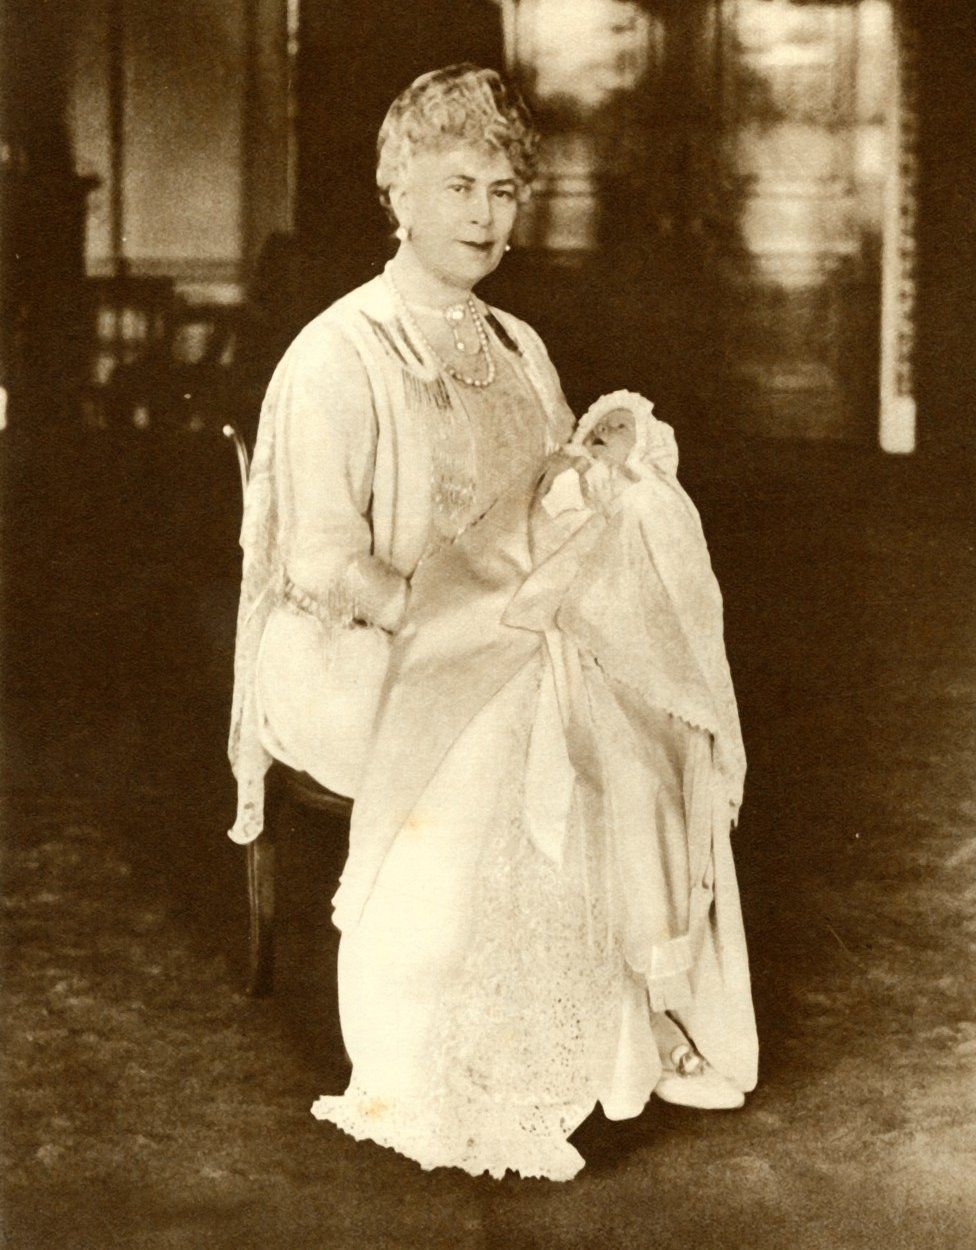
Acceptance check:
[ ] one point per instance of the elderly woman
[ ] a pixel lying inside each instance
(486, 1001)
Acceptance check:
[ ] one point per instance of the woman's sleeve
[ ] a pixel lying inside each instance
(326, 449)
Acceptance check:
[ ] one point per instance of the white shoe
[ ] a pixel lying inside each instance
(695, 1083)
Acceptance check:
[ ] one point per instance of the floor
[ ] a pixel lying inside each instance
(149, 1102)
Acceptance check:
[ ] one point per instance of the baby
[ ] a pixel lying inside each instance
(620, 557)
(621, 465)
(618, 442)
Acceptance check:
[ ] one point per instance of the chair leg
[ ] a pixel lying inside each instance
(261, 902)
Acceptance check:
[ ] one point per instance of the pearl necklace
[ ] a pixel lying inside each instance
(453, 315)
(484, 345)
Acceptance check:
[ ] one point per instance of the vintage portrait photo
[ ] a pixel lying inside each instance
(488, 614)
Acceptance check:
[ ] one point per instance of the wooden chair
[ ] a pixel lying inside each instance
(284, 784)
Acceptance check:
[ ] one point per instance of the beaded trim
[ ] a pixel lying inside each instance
(338, 608)
(418, 392)
(390, 344)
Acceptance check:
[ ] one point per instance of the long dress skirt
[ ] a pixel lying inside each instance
(485, 1000)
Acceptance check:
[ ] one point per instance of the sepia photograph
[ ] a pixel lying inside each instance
(488, 621)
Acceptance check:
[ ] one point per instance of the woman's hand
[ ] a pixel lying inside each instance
(604, 483)
(380, 592)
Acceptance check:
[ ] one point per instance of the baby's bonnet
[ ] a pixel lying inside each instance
(655, 447)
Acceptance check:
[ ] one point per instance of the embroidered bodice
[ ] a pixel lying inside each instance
(487, 439)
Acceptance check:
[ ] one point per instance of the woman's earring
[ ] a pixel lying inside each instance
(508, 247)
(402, 233)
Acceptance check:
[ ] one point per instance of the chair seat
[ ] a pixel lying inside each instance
(307, 791)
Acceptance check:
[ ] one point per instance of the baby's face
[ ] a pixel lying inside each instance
(612, 438)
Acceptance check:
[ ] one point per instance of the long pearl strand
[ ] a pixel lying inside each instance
(484, 345)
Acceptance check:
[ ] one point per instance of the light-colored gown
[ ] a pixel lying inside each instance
(540, 852)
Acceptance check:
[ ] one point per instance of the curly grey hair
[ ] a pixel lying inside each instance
(459, 103)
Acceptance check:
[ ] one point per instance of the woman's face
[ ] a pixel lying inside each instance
(613, 437)
(459, 205)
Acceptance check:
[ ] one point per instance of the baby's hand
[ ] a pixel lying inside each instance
(561, 460)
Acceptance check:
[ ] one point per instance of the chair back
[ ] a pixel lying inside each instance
(231, 432)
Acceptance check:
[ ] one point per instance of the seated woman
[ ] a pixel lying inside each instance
(486, 998)
(539, 910)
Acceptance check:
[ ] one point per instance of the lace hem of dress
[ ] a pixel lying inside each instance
(478, 1139)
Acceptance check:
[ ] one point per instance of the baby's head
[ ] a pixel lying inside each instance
(613, 437)
(621, 429)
